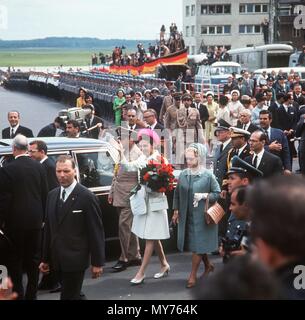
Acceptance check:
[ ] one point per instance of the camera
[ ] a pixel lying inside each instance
(77, 114)
(232, 244)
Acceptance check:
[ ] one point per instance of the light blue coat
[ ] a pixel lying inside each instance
(202, 238)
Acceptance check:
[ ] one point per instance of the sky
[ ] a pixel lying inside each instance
(122, 19)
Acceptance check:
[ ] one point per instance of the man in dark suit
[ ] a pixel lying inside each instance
(274, 109)
(15, 128)
(92, 121)
(287, 116)
(150, 118)
(25, 181)
(277, 142)
(261, 159)
(245, 121)
(203, 110)
(52, 129)
(300, 133)
(156, 101)
(223, 134)
(74, 231)
(38, 151)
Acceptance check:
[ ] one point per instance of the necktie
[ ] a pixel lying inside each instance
(187, 112)
(221, 148)
(63, 195)
(244, 126)
(12, 133)
(255, 161)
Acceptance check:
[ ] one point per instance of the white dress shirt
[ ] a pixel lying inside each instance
(259, 157)
(14, 129)
(241, 149)
(68, 190)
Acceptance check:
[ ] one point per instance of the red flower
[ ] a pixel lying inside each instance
(146, 176)
(162, 190)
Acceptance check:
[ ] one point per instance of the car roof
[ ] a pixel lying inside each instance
(59, 143)
(225, 64)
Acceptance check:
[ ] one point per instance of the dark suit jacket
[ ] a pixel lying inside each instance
(204, 113)
(47, 131)
(270, 164)
(93, 134)
(287, 120)
(279, 136)
(220, 166)
(25, 181)
(79, 233)
(6, 133)
(50, 170)
(252, 128)
(274, 111)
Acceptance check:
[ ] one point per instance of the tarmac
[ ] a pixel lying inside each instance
(116, 286)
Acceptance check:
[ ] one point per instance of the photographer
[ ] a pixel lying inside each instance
(241, 174)
(238, 243)
(93, 123)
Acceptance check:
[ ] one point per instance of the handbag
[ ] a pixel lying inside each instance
(138, 201)
(214, 214)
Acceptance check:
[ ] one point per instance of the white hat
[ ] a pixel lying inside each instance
(210, 93)
(235, 91)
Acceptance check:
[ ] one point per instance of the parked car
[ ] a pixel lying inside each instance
(95, 161)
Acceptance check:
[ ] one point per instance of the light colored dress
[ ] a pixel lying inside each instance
(235, 108)
(210, 125)
(154, 224)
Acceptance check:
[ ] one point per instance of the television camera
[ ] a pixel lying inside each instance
(77, 114)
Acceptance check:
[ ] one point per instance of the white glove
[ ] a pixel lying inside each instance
(198, 197)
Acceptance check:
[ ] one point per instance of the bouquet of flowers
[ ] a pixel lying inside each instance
(159, 177)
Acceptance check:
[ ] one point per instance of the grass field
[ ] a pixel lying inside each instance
(47, 57)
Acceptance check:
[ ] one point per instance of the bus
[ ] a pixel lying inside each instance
(266, 56)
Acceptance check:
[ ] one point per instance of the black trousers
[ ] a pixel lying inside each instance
(24, 256)
(71, 285)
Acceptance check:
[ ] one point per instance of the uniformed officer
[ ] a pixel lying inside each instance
(241, 174)
(241, 148)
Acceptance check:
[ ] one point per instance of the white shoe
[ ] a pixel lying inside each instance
(162, 274)
(136, 282)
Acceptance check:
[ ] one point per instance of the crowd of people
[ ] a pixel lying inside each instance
(252, 192)
(167, 44)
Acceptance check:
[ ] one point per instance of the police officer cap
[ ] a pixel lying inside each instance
(187, 97)
(237, 133)
(270, 78)
(240, 79)
(222, 126)
(281, 78)
(177, 96)
(242, 167)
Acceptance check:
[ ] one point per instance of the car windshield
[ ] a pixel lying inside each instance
(215, 71)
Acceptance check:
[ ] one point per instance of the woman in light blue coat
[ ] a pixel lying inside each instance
(195, 185)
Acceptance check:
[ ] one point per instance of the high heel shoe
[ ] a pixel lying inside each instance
(162, 274)
(190, 284)
(136, 282)
(208, 270)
